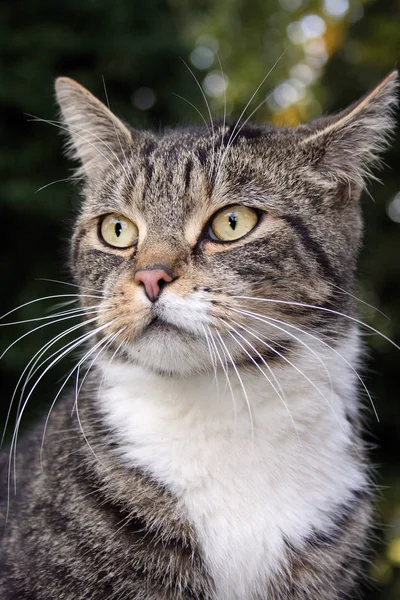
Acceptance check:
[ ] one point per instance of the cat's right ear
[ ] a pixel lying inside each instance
(97, 138)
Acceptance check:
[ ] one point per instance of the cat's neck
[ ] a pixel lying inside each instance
(314, 385)
(230, 447)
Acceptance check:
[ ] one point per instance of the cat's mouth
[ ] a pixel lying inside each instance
(159, 324)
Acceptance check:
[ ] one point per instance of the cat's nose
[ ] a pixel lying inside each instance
(153, 281)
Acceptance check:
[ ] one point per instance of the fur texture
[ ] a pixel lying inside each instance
(216, 449)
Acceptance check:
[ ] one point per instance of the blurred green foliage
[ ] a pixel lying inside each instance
(327, 54)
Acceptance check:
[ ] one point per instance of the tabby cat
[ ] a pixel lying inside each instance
(213, 449)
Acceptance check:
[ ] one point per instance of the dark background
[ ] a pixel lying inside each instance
(334, 51)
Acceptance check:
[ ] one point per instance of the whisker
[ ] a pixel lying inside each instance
(77, 296)
(208, 109)
(110, 361)
(248, 104)
(73, 312)
(53, 182)
(57, 396)
(14, 439)
(81, 287)
(281, 394)
(77, 367)
(359, 300)
(240, 381)
(296, 368)
(213, 358)
(37, 328)
(224, 366)
(47, 345)
(324, 309)
(130, 177)
(221, 146)
(261, 317)
(195, 108)
(270, 321)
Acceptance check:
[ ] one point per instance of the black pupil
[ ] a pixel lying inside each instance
(118, 229)
(233, 221)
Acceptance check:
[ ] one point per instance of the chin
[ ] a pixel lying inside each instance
(167, 350)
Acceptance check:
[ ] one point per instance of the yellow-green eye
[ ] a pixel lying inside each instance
(118, 231)
(233, 222)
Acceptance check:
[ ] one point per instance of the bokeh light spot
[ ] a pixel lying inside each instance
(336, 8)
(393, 551)
(202, 57)
(144, 98)
(215, 84)
(313, 26)
(304, 73)
(393, 209)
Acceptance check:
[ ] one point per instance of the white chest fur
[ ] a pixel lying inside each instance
(244, 490)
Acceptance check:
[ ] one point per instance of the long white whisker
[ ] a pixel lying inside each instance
(270, 321)
(41, 352)
(224, 366)
(77, 367)
(195, 108)
(81, 287)
(359, 300)
(57, 359)
(323, 309)
(77, 296)
(38, 356)
(53, 182)
(260, 317)
(248, 104)
(240, 381)
(280, 394)
(212, 356)
(208, 109)
(220, 151)
(129, 175)
(73, 312)
(253, 112)
(44, 349)
(253, 332)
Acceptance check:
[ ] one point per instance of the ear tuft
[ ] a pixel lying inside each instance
(347, 146)
(96, 136)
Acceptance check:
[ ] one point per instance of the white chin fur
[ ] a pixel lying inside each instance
(180, 348)
(170, 352)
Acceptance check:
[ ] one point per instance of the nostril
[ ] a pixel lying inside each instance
(153, 280)
(161, 284)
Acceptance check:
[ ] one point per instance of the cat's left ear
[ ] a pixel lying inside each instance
(97, 137)
(345, 147)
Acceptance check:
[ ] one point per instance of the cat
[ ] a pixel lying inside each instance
(214, 448)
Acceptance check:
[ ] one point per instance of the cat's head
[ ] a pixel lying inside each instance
(211, 245)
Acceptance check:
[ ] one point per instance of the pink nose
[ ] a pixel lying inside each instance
(153, 281)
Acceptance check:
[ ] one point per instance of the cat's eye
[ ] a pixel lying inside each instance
(118, 231)
(233, 222)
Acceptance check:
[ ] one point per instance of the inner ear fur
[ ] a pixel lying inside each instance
(344, 148)
(97, 138)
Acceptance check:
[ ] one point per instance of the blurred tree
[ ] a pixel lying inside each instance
(320, 55)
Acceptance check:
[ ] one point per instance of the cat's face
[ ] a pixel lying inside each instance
(184, 234)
